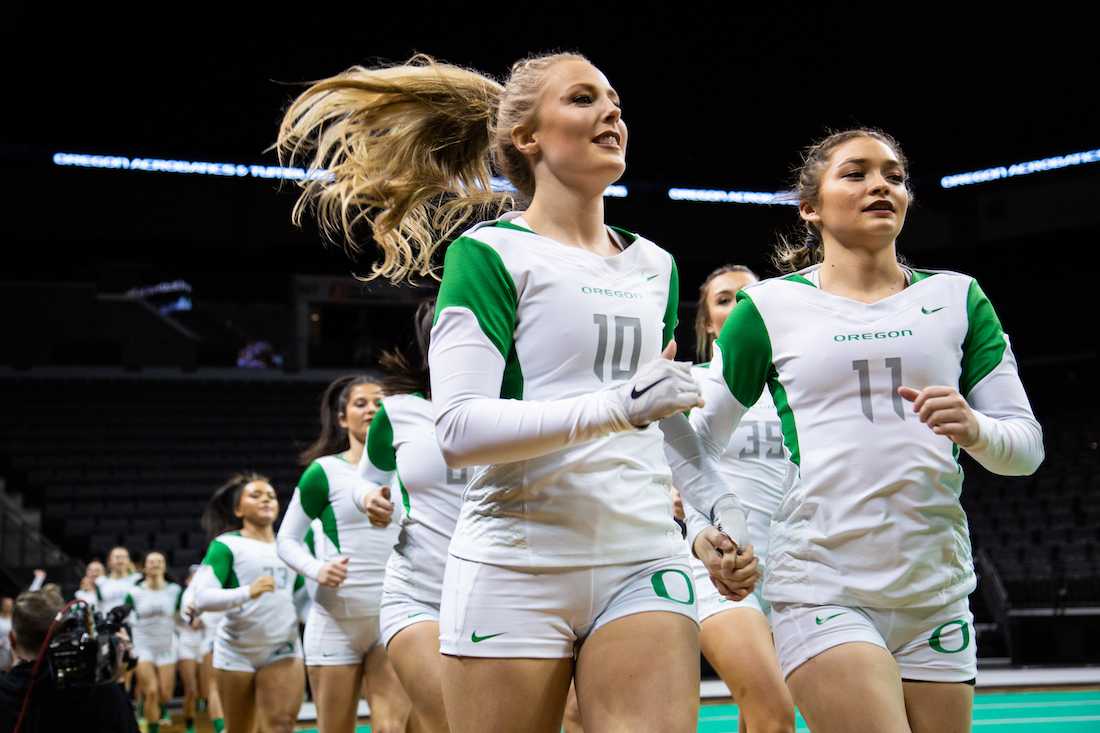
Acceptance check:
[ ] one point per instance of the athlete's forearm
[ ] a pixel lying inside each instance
(695, 474)
(1010, 439)
(717, 419)
(289, 542)
(475, 427)
(210, 596)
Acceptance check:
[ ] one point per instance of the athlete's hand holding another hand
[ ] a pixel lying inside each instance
(945, 411)
(261, 585)
(333, 573)
(378, 507)
(660, 388)
(734, 571)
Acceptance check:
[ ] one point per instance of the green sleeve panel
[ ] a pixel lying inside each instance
(220, 559)
(984, 345)
(299, 583)
(746, 351)
(475, 278)
(128, 600)
(672, 309)
(313, 490)
(380, 450)
(308, 540)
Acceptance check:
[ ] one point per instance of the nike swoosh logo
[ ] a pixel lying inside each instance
(635, 393)
(478, 639)
(928, 312)
(820, 620)
(652, 276)
(414, 615)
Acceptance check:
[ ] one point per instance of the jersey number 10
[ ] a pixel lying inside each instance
(623, 325)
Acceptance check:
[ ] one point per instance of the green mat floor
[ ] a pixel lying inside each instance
(1069, 711)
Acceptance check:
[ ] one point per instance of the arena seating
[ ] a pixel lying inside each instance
(142, 455)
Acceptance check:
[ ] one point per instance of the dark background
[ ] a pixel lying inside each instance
(715, 95)
(718, 95)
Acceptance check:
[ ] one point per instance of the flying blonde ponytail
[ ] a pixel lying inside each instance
(409, 152)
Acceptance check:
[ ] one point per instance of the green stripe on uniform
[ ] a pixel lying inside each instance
(984, 345)
(220, 559)
(746, 351)
(380, 450)
(672, 307)
(475, 278)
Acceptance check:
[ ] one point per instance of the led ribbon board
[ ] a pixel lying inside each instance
(1020, 169)
(233, 170)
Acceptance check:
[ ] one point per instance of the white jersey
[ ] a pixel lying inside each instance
(755, 466)
(112, 591)
(402, 445)
(5, 643)
(154, 615)
(562, 324)
(88, 596)
(327, 491)
(872, 517)
(237, 561)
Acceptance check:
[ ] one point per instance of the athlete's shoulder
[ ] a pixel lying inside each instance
(944, 278)
(229, 539)
(318, 471)
(333, 465)
(499, 234)
(942, 288)
(410, 404)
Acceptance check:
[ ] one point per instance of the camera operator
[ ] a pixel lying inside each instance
(94, 708)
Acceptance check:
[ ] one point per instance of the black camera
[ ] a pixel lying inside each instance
(86, 649)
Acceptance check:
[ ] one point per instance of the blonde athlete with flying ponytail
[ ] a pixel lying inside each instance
(550, 372)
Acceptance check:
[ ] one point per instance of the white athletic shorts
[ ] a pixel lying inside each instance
(400, 612)
(209, 635)
(409, 596)
(190, 644)
(159, 654)
(712, 602)
(497, 611)
(331, 641)
(930, 644)
(235, 657)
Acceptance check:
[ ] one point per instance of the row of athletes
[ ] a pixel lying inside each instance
(550, 382)
(374, 621)
(166, 639)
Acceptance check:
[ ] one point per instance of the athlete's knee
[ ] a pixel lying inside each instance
(768, 713)
(777, 721)
(388, 724)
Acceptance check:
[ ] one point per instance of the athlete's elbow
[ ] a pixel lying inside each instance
(455, 457)
(449, 434)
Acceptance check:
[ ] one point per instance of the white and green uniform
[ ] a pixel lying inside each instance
(112, 591)
(255, 632)
(342, 625)
(872, 518)
(529, 336)
(154, 622)
(402, 452)
(755, 465)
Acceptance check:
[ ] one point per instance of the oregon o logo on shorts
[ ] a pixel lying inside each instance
(659, 587)
(937, 644)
